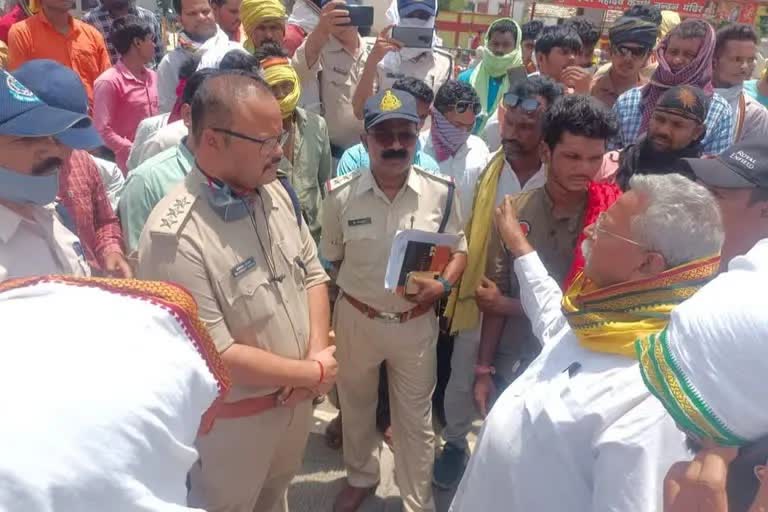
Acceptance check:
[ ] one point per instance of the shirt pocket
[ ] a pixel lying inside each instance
(250, 298)
(361, 241)
(85, 63)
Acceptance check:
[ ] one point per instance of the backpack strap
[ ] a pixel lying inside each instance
(294, 198)
(448, 206)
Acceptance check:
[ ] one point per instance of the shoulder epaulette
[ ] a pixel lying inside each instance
(175, 214)
(340, 181)
(434, 174)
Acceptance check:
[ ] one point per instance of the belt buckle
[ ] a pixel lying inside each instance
(390, 317)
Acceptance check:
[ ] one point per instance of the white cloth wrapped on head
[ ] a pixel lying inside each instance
(709, 366)
(103, 391)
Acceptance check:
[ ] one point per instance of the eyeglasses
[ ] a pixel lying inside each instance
(267, 144)
(634, 52)
(597, 227)
(462, 106)
(387, 138)
(528, 105)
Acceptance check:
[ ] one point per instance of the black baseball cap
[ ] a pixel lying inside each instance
(24, 114)
(390, 104)
(743, 165)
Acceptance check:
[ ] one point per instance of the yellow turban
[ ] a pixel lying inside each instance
(253, 12)
(669, 20)
(277, 70)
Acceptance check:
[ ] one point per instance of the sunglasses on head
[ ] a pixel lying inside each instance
(462, 106)
(631, 51)
(528, 105)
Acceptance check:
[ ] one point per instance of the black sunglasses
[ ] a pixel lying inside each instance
(631, 51)
(528, 105)
(462, 106)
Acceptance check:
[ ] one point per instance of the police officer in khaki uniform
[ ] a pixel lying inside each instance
(35, 140)
(361, 215)
(576, 130)
(329, 63)
(390, 60)
(233, 236)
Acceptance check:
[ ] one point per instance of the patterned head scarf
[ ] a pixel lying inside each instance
(277, 70)
(697, 73)
(685, 101)
(708, 366)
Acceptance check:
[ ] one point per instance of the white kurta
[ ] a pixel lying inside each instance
(589, 439)
(464, 167)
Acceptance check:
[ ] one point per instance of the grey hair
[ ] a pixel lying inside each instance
(682, 220)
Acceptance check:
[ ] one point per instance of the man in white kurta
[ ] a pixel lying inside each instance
(579, 430)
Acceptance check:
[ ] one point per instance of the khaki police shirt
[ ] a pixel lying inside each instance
(249, 276)
(328, 86)
(360, 222)
(434, 67)
(553, 239)
(34, 242)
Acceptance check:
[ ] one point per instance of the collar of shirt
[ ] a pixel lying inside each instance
(535, 181)
(197, 178)
(121, 68)
(184, 156)
(74, 28)
(367, 182)
(574, 221)
(10, 219)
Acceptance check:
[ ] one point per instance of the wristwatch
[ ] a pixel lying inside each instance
(447, 286)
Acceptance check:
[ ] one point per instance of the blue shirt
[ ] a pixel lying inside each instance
(719, 122)
(356, 158)
(750, 87)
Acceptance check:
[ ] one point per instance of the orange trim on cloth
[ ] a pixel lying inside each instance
(171, 297)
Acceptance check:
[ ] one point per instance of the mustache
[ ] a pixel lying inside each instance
(47, 166)
(511, 144)
(394, 154)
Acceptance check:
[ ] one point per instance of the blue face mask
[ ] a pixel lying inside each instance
(28, 189)
(224, 202)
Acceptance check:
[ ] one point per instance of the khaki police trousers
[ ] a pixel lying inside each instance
(408, 349)
(246, 464)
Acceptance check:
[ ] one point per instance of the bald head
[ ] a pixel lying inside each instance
(222, 95)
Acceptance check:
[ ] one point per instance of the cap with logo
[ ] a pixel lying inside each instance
(743, 165)
(390, 104)
(60, 87)
(23, 114)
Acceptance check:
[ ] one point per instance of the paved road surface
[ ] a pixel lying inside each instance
(314, 489)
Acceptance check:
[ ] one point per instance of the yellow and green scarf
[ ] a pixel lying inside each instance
(462, 309)
(611, 319)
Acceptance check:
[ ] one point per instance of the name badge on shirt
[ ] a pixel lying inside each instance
(359, 222)
(243, 267)
(78, 248)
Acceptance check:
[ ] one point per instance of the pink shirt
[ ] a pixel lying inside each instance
(121, 102)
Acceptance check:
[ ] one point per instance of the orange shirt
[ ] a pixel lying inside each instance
(82, 49)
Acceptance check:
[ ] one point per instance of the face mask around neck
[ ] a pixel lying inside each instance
(28, 189)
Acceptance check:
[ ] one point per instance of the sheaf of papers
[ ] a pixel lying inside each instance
(399, 244)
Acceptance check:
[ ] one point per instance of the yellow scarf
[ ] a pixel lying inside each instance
(253, 12)
(611, 319)
(462, 308)
(277, 70)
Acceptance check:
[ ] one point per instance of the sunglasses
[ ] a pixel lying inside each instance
(631, 51)
(462, 106)
(387, 138)
(528, 105)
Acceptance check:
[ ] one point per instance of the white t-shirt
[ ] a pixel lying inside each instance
(509, 183)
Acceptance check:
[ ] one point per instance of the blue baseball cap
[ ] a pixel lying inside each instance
(23, 114)
(407, 7)
(60, 87)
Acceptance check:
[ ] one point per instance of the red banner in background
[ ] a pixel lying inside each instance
(727, 10)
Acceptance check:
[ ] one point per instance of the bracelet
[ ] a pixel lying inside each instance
(447, 286)
(322, 371)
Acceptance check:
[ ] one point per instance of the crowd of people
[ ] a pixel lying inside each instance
(230, 205)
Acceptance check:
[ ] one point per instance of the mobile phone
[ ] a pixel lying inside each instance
(413, 37)
(360, 15)
(517, 74)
